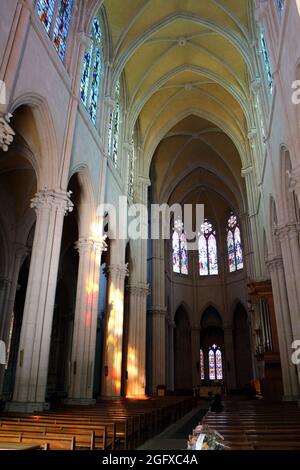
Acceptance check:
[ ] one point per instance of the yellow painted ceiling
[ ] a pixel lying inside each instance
(186, 69)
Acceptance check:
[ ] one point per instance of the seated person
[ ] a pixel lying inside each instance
(216, 405)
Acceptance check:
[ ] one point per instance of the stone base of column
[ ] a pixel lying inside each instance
(291, 398)
(26, 407)
(80, 401)
(105, 397)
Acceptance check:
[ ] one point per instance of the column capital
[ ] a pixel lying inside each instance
(138, 289)
(118, 270)
(47, 199)
(273, 263)
(247, 170)
(4, 282)
(93, 244)
(158, 311)
(6, 132)
(287, 231)
(110, 102)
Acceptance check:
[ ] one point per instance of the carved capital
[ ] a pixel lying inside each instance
(118, 271)
(141, 290)
(6, 132)
(91, 244)
(287, 231)
(52, 200)
(158, 311)
(274, 263)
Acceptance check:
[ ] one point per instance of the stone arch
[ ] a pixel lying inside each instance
(45, 151)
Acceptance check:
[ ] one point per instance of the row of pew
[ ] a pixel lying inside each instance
(257, 425)
(109, 425)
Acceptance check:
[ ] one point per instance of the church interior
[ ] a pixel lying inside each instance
(152, 102)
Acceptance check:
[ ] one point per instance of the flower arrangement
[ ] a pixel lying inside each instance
(204, 438)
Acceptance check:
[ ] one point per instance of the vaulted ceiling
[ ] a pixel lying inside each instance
(187, 66)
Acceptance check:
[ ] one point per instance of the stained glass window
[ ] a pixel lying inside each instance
(56, 15)
(45, 10)
(267, 62)
(211, 365)
(131, 170)
(280, 4)
(62, 25)
(207, 249)
(114, 127)
(92, 71)
(215, 363)
(234, 245)
(176, 252)
(179, 249)
(202, 365)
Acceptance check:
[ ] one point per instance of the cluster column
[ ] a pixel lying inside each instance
(229, 356)
(85, 325)
(284, 329)
(32, 367)
(114, 330)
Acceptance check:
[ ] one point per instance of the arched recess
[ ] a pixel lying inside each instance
(242, 348)
(19, 175)
(65, 301)
(32, 119)
(211, 334)
(182, 352)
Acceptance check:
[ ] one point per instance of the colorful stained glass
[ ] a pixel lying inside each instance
(95, 85)
(183, 254)
(176, 252)
(234, 245)
(280, 4)
(207, 245)
(230, 249)
(267, 62)
(85, 78)
(45, 10)
(202, 372)
(180, 249)
(203, 260)
(219, 366)
(131, 170)
(62, 25)
(212, 255)
(92, 71)
(238, 249)
(211, 365)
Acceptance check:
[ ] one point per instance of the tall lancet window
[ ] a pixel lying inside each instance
(234, 244)
(131, 169)
(92, 71)
(55, 16)
(179, 249)
(267, 61)
(280, 4)
(114, 127)
(207, 249)
(202, 370)
(215, 363)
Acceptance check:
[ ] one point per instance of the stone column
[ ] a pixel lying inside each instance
(33, 358)
(229, 366)
(136, 353)
(4, 292)
(114, 330)
(196, 375)
(7, 305)
(284, 329)
(85, 324)
(288, 237)
(172, 326)
(158, 347)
